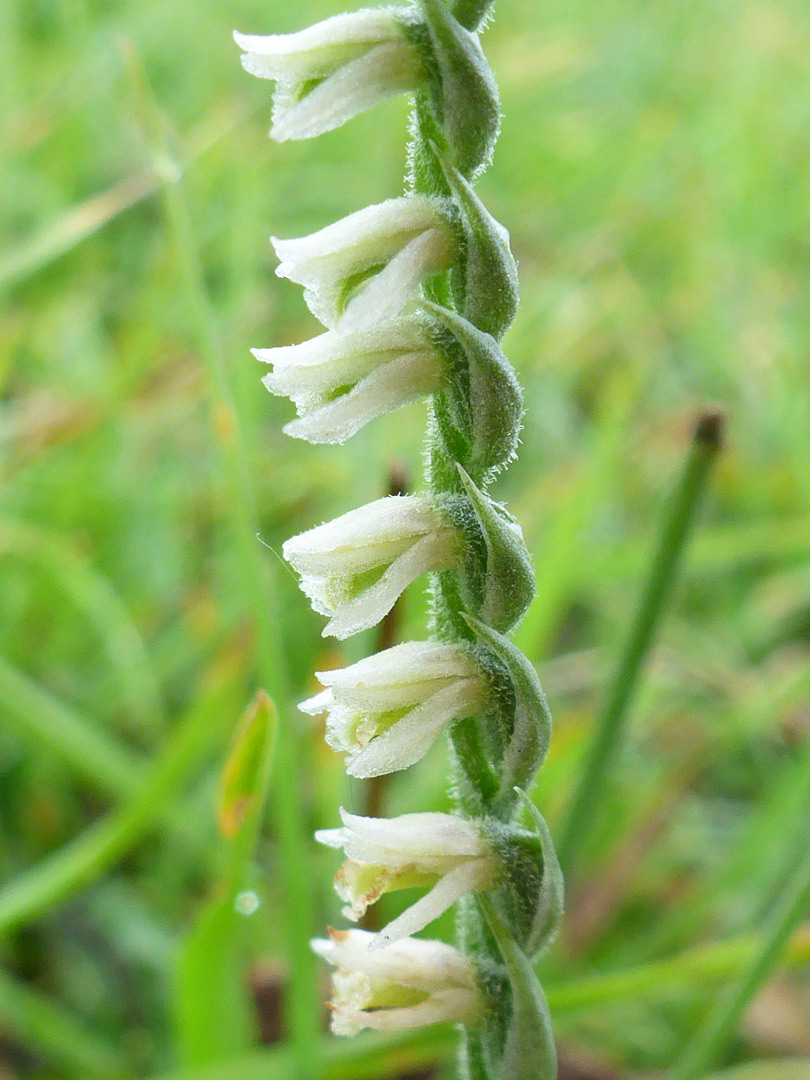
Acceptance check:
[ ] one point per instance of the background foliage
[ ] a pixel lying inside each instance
(652, 170)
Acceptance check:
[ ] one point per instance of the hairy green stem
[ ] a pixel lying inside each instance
(612, 720)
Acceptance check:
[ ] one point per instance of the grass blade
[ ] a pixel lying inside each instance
(612, 720)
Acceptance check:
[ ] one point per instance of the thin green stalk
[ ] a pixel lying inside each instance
(714, 1036)
(41, 1025)
(258, 598)
(84, 859)
(613, 718)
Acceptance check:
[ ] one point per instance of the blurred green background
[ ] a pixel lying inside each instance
(653, 172)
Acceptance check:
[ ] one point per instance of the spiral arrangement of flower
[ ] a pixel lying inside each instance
(416, 294)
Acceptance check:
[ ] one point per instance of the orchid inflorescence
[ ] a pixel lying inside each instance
(416, 294)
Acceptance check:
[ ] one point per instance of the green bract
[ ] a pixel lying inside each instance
(485, 284)
(463, 92)
(485, 399)
(503, 586)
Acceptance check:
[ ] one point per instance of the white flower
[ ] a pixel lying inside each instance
(333, 70)
(386, 711)
(355, 567)
(341, 381)
(415, 850)
(364, 268)
(408, 985)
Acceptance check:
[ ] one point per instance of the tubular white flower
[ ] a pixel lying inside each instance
(339, 382)
(415, 850)
(355, 567)
(408, 985)
(364, 268)
(386, 711)
(333, 70)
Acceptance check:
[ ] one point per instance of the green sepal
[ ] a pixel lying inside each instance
(550, 905)
(500, 594)
(529, 1052)
(463, 93)
(485, 398)
(531, 724)
(485, 284)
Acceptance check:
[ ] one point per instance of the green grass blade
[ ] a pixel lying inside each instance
(99, 847)
(56, 729)
(52, 1033)
(98, 602)
(715, 1035)
(214, 1012)
(612, 719)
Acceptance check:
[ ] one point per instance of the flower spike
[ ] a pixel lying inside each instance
(410, 984)
(334, 70)
(416, 294)
(355, 567)
(447, 853)
(386, 711)
(339, 382)
(365, 268)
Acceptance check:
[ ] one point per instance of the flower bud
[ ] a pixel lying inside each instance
(447, 853)
(386, 711)
(355, 567)
(333, 70)
(339, 382)
(363, 269)
(412, 983)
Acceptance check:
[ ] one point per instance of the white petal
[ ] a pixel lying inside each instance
(407, 741)
(414, 664)
(416, 962)
(459, 1006)
(318, 367)
(356, 241)
(318, 704)
(392, 518)
(387, 388)
(318, 49)
(387, 69)
(430, 553)
(410, 838)
(330, 837)
(388, 292)
(469, 877)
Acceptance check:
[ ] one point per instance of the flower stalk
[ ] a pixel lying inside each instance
(416, 294)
